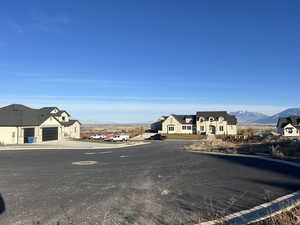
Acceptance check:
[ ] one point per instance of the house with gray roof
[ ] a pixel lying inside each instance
(203, 123)
(216, 123)
(20, 124)
(289, 126)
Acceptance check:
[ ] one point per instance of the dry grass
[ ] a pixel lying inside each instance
(276, 153)
(217, 145)
(291, 217)
(247, 131)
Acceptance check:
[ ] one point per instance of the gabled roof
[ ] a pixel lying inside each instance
(20, 115)
(61, 112)
(49, 109)
(182, 118)
(231, 120)
(293, 120)
(70, 123)
(15, 107)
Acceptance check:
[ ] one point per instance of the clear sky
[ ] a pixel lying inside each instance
(134, 60)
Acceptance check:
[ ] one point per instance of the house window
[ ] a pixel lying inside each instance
(63, 118)
(221, 128)
(201, 119)
(211, 119)
(201, 128)
(289, 130)
(171, 128)
(13, 134)
(188, 127)
(75, 129)
(188, 120)
(183, 127)
(221, 119)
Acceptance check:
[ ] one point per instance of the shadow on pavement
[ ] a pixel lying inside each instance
(274, 167)
(291, 186)
(2, 205)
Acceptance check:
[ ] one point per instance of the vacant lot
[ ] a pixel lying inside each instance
(159, 183)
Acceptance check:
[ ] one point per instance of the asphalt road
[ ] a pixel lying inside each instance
(157, 183)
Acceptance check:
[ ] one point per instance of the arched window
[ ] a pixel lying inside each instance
(211, 119)
(201, 119)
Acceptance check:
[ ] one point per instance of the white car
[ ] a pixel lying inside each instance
(96, 137)
(121, 137)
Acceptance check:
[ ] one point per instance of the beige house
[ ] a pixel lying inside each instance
(216, 123)
(179, 124)
(20, 124)
(289, 126)
(203, 123)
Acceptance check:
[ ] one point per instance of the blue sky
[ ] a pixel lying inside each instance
(134, 60)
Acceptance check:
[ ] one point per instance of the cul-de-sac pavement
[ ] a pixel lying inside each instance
(157, 183)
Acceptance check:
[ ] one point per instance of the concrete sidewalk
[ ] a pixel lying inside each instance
(70, 145)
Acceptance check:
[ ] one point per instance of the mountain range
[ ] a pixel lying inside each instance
(260, 118)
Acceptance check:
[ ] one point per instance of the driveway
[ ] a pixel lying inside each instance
(158, 183)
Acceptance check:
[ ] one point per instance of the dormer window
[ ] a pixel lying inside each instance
(211, 119)
(221, 119)
(188, 120)
(201, 119)
(63, 118)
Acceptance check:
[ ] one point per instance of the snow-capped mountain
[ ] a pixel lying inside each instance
(248, 117)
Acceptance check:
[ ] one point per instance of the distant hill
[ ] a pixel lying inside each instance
(248, 117)
(273, 119)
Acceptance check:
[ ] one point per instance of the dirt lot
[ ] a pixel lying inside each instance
(88, 130)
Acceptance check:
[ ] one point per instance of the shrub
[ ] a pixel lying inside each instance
(276, 153)
(247, 132)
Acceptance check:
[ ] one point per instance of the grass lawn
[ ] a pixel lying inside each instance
(184, 136)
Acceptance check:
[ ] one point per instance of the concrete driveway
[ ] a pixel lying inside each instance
(152, 184)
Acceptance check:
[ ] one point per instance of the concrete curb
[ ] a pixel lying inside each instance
(7, 148)
(263, 211)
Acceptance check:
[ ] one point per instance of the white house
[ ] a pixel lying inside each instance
(203, 123)
(179, 124)
(289, 126)
(20, 124)
(216, 123)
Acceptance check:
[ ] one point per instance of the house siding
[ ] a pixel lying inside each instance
(8, 135)
(72, 131)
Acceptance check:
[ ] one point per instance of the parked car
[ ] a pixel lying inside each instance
(156, 137)
(121, 137)
(96, 137)
(108, 136)
(151, 131)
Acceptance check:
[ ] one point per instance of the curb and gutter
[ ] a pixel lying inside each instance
(263, 211)
(54, 147)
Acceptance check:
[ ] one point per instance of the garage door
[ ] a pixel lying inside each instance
(50, 133)
(28, 132)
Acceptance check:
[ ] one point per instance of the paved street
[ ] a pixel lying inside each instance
(158, 183)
